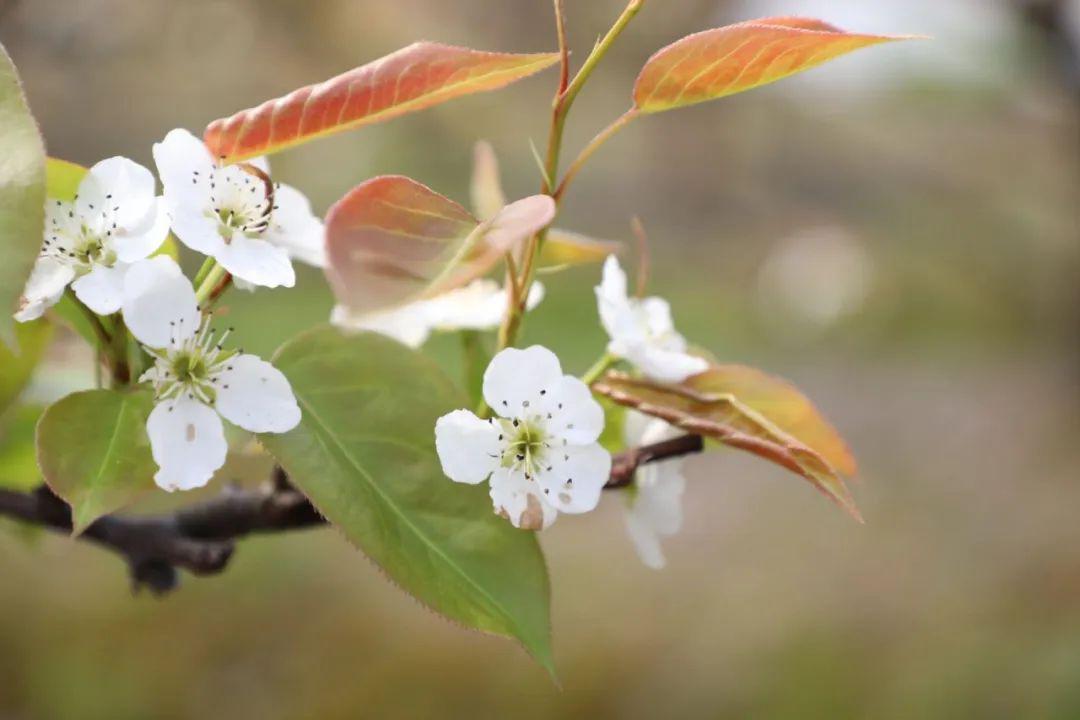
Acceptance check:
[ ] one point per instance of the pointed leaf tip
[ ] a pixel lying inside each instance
(732, 59)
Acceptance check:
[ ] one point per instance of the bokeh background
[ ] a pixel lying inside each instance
(896, 232)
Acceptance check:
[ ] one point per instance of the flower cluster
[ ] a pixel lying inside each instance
(537, 442)
(538, 446)
(103, 245)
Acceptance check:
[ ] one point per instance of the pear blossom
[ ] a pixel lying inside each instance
(642, 331)
(196, 381)
(89, 243)
(654, 509)
(236, 214)
(540, 456)
(480, 305)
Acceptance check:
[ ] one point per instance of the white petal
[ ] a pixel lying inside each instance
(257, 261)
(159, 302)
(645, 540)
(659, 497)
(294, 227)
(128, 190)
(469, 448)
(657, 315)
(102, 289)
(573, 413)
(255, 395)
(133, 246)
(193, 227)
(642, 429)
(407, 324)
(519, 501)
(656, 509)
(178, 157)
(576, 476)
(480, 305)
(188, 443)
(44, 287)
(617, 313)
(665, 366)
(517, 379)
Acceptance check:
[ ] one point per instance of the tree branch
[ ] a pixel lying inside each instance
(201, 538)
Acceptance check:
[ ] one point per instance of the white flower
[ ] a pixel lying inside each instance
(641, 330)
(655, 504)
(195, 379)
(480, 305)
(540, 455)
(115, 220)
(236, 214)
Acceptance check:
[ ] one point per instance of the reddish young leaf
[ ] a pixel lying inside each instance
(740, 57)
(413, 78)
(391, 240)
(562, 246)
(727, 418)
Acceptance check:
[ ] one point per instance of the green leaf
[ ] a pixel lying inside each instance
(17, 366)
(22, 193)
(18, 464)
(364, 454)
(476, 356)
(62, 179)
(93, 450)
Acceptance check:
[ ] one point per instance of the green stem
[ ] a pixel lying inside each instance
(209, 282)
(599, 368)
(564, 100)
(121, 368)
(594, 145)
(204, 270)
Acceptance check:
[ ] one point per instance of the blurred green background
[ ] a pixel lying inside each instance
(896, 232)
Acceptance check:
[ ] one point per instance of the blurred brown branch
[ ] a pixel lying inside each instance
(201, 538)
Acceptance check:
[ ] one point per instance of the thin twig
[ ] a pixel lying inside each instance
(201, 538)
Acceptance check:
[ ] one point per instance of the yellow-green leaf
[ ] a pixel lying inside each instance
(17, 365)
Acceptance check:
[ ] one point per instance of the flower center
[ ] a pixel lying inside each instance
(192, 365)
(526, 445)
(81, 240)
(241, 199)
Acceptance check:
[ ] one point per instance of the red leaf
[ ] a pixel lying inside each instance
(391, 240)
(736, 58)
(413, 78)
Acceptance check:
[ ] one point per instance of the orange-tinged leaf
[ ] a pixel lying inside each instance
(784, 405)
(725, 417)
(413, 78)
(562, 247)
(735, 58)
(391, 240)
